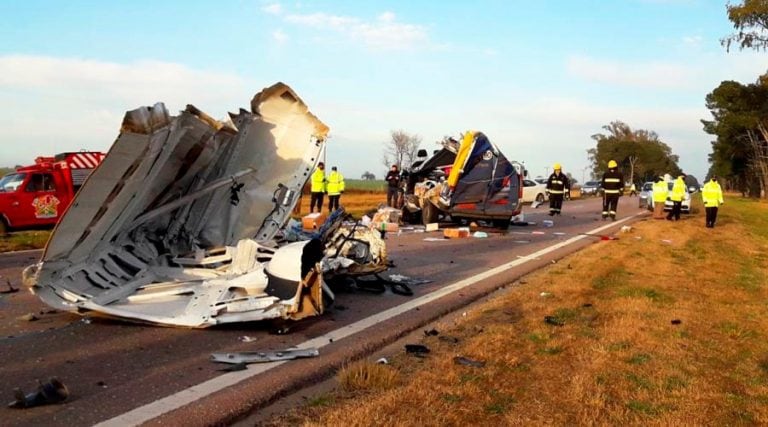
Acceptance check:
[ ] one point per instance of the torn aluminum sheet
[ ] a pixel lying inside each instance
(175, 226)
(263, 356)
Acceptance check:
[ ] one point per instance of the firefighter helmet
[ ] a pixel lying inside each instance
(612, 164)
(556, 166)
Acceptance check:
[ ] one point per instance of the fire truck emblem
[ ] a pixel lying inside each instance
(46, 206)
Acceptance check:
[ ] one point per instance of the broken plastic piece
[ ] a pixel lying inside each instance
(416, 349)
(461, 360)
(53, 391)
(552, 320)
(263, 356)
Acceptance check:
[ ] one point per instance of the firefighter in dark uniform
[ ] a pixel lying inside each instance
(613, 188)
(557, 185)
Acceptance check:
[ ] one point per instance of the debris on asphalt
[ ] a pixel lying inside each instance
(431, 332)
(246, 338)
(434, 239)
(461, 360)
(263, 356)
(29, 317)
(432, 226)
(51, 392)
(480, 234)
(10, 289)
(399, 278)
(416, 349)
(280, 330)
(547, 223)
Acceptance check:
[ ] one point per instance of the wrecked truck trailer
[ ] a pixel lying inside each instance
(467, 179)
(177, 226)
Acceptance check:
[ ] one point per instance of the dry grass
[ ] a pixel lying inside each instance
(23, 240)
(364, 376)
(617, 358)
(356, 203)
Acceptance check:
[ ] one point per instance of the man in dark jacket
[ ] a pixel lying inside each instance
(613, 188)
(557, 185)
(393, 186)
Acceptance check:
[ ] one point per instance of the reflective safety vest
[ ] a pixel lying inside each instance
(678, 190)
(712, 194)
(613, 182)
(556, 184)
(660, 191)
(318, 181)
(335, 184)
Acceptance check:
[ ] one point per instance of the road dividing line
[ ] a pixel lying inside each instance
(177, 400)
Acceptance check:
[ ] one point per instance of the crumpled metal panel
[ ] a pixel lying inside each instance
(175, 226)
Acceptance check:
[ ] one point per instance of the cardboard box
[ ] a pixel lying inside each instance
(432, 226)
(456, 233)
(389, 227)
(313, 221)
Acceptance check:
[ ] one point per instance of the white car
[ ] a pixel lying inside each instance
(534, 191)
(686, 206)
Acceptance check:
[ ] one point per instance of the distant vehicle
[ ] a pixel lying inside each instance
(36, 196)
(591, 188)
(534, 191)
(645, 197)
(488, 186)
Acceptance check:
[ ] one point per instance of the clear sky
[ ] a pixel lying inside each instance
(539, 77)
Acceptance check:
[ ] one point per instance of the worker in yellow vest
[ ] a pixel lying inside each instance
(335, 187)
(317, 188)
(712, 195)
(677, 196)
(660, 192)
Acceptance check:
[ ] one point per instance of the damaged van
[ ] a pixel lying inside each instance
(466, 179)
(179, 224)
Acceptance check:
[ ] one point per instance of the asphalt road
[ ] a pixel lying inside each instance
(112, 368)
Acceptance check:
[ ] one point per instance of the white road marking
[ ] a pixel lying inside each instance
(177, 400)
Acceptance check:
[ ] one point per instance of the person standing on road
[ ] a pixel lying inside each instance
(393, 186)
(660, 192)
(317, 189)
(632, 190)
(713, 198)
(335, 187)
(678, 193)
(557, 185)
(613, 187)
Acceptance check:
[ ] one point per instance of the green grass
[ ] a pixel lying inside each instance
(376, 186)
(23, 240)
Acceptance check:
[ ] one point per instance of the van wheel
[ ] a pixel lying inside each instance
(502, 223)
(428, 213)
(540, 198)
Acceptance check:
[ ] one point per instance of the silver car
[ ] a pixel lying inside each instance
(645, 197)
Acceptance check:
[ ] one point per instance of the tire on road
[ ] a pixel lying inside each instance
(428, 213)
(540, 198)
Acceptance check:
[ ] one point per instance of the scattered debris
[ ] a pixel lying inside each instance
(86, 320)
(29, 317)
(587, 305)
(10, 289)
(263, 356)
(456, 233)
(246, 338)
(280, 330)
(432, 226)
(431, 332)
(399, 278)
(461, 360)
(448, 339)
(416, 349)
(544, 294)
(101, 384)
(51, 392)
(536, 204)
(434, 239)
(676, 321)
(626, 228)
(383, 361)
(669, 242)
(547, 223)
(480, 234)
(553, 320)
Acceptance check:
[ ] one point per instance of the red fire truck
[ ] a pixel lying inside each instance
(36, 196)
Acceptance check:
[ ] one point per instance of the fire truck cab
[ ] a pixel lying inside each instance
(36, 196)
